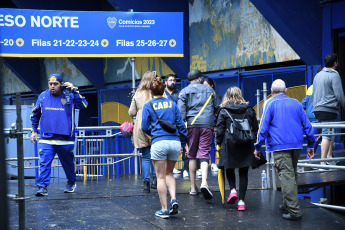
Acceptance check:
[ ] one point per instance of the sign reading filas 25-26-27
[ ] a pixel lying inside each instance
(44, 33)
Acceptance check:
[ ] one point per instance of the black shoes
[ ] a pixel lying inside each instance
(147, 187)
(154, 183)
(289, 217)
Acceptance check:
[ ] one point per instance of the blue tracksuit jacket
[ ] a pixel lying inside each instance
(283, 124)
(168, 111)
(56, 115)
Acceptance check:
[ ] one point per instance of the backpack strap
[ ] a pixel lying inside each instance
(153, 109)
(229, 115)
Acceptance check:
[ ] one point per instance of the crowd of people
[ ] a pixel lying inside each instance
(202, 117)
(168, 121)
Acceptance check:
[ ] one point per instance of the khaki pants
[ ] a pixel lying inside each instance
(286, 164)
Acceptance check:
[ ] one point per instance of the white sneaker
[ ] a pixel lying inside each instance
(214, 168)
(175, 171)
(199, 172)
(185, 173)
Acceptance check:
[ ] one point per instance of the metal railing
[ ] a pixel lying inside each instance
(97, 151)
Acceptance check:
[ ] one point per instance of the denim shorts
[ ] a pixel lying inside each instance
(165, 150)
(328, 130)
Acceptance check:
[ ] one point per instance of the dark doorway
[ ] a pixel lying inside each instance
(89, 116)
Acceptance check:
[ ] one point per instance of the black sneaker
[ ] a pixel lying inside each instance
(70, 188)
(206, 192)
(154, 183)
(146, 187)
(173, 207)
(42, 191)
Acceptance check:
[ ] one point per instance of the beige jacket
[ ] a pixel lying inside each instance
(140, 138)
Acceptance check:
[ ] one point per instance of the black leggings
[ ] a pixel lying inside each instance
(243, 174)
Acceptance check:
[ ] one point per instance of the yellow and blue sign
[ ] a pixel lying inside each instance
(47, 33)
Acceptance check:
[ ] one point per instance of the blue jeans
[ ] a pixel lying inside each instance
(47, 153)
(146, 164)
(326, 131)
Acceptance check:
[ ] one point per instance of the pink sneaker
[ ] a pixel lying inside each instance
(232, 198)
(241, 206)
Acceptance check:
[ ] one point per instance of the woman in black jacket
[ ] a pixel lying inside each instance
(233, 155)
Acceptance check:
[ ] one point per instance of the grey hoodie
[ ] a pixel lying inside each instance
(328, 94)
(192, 99)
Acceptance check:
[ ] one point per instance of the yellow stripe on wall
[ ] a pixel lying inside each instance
(114, 112)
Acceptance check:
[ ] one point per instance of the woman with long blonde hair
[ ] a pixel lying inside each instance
(140, 139)
(232, 154)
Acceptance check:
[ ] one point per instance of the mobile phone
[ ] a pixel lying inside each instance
(63, 87)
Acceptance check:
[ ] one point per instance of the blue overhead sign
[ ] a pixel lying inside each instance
(46, 33)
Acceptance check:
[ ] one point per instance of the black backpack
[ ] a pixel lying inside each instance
(240, 130)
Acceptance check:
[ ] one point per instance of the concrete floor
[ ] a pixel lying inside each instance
(118, 203)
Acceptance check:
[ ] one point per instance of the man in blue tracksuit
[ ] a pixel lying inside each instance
(54, 110)
(283, 125)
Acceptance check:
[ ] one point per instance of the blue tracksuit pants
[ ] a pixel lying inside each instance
(47, 153)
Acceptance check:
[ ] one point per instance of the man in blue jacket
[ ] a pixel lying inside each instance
(54, 110)
(283, 124)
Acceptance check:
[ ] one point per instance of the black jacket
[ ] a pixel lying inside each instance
(232, 155)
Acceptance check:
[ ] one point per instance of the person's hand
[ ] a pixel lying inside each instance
(33, 137)
(257, 154)
(68, 85)
(183, 150)
(310, 153)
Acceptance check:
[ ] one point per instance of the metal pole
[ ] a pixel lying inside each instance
(20, 155)
(133, 91)
(3, 179)
(264, 92)
(335, 207)
(274, 183)
(257, 104)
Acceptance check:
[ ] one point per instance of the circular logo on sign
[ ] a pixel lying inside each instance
(104, 43)
(172, 43)
(20, 42)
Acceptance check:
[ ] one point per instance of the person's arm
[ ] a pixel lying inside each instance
(307, 129)
(79, 101)
(133, 108)
(181, 127)
(181, 103)
(338, 90)
(254, 122)
(146, 119)
(35, 117)
(221, 127)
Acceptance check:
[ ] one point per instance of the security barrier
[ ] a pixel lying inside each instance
(99, 151)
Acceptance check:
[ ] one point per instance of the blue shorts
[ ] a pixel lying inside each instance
(165, 150)
(328, 130)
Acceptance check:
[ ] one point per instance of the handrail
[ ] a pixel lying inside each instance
(335, 207)
(323, 159)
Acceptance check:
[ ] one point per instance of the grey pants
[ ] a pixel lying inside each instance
(286, 164)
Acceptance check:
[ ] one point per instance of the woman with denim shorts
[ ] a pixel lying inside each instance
(166, 146)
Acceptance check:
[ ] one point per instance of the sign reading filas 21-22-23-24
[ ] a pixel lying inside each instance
(45, 33)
